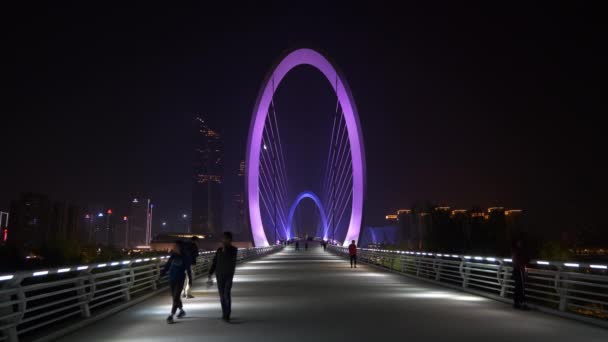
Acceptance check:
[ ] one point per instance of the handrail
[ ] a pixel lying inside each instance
(572, 288)
(33, 300)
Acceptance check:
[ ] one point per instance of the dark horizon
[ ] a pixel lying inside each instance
(459, 106)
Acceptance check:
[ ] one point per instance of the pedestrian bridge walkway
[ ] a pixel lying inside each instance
(315, 295)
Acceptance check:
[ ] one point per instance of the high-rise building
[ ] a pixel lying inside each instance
(29, 221)
(34, 220)
(239, 202)
(139, 222)
(207, 192)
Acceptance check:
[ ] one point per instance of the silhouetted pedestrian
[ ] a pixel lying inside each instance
(324, 243)
(191, 248)
(352, 251)
(305, 245)
(177, 266)
(520, 259)
(297, 245)
(224, 264)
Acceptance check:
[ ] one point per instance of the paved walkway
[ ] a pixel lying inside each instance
(315, 296)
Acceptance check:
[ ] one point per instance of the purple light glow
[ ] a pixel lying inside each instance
(254, 143)
(314, 198)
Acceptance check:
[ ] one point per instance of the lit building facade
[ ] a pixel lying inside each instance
(207, 192)
(240, 206)
(139, 222)
(35, 220)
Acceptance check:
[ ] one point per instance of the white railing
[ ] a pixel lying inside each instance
(60, 297)
(576, 289)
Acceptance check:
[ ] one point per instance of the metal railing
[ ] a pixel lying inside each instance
(574, 289)
(32, 301)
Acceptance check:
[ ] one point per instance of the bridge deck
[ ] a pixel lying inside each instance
(293, 296)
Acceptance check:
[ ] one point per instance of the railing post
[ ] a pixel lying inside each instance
(125, 283)
(155, 272)
(465, 275)
(503, 274)
(85, 311)
(10, 330)
(438, 265)
(562, 289)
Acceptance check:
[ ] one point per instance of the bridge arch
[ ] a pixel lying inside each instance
(291, 60)
(318, 203)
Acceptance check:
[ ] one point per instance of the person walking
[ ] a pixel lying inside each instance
(177, 266)
(297, 245)
(352, 251)
(224, 264)
(192, 252)
(519, 259)
(306, 245)
(324, 245)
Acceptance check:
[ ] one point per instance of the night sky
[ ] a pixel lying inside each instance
(460, 105)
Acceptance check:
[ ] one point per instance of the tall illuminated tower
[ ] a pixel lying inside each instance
(207, 191)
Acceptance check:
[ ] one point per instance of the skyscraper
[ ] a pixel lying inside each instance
(239, 203)
(139, 222)
(207, 191)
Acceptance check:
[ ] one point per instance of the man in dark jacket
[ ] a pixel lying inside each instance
(520, 259)
(352, 252)
(177, 266)
(224, 264)
(192, 251)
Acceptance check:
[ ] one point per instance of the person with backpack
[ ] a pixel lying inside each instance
(177, 266)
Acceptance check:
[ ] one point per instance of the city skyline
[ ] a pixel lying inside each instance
(481, 128)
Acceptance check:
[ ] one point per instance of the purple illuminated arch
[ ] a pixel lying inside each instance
(314, 198)
(254, 143)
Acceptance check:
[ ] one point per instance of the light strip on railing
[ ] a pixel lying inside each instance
(599, 267)
(491, 259)
(147, 259)
(63, 270)
(478, 258)
(467, 257)
(567, 264)
(539, 262)
(138, 260)
(114, 263)
(6, 277)
(126, 262)
(80, 268)
(455, 256)
(507, 260)
(40, 273)
(102, 265)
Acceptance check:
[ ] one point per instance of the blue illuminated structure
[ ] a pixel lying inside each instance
(314, 198)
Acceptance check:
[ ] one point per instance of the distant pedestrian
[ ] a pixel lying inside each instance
(297, 245)
(324, 243)
(352, 251)
(305, 245)
(177, 266)
(192, 252)
(519, 259)
(224, 264)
